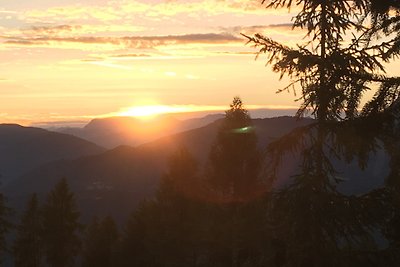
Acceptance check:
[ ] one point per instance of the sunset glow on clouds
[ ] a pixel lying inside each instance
(80, 59)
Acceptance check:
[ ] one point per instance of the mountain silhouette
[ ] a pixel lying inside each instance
(23, 148)
(116, 131)
(115, 181)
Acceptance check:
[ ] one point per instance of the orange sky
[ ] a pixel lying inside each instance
(73, 60)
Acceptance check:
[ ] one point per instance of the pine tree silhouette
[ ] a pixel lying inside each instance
(5, 225)
(100, 244)
(28, 246)
(235, 161)
(60, 226)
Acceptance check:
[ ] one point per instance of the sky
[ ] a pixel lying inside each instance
(69, 60)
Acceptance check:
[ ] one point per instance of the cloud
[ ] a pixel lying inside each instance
(170, 74)
(3, 11)
(51, 30)
(59, 124)
(192, 77)
(282, 28)
(287, 26)
(237, 53)
(111, 65)
(130, 56)
(282, 32)
(139, 42)
(64, 29)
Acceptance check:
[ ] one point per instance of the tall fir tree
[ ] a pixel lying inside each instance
(60, 226)
(334, 68)
(28, 247)
(386, 22)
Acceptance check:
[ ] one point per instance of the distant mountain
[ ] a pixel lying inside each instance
(23, 148)
(114, 182)
(116, 131)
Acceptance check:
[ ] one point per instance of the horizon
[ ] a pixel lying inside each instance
(256, 113)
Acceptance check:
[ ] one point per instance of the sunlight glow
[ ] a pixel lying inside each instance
(150, 111)
(153, 110)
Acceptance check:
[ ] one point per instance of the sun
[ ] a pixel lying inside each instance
(146, 112)
(151, 111)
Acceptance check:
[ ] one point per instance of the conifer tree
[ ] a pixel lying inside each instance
(234, 161)
(385, 35)
(233, 177)
(28, 248)
(100, 243)
(90, 243)
(333, 69)
(169, 230)
(180, 203)
(60, 226)
(337, 65)
(5, 225)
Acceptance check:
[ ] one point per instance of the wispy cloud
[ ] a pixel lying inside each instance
(130, 56)
(111, 65)
(52, 30)
(77, 29)
(59, 124)
(282, 29)
(139, 42)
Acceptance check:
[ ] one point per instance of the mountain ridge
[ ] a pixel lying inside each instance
(23, 148)
(125, 176)
(114, 131)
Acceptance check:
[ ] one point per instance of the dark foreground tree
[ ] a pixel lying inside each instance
(315, 223)
(386, 22)
(100, 243)
(28, 248)
(60, 226)
(318, 220)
